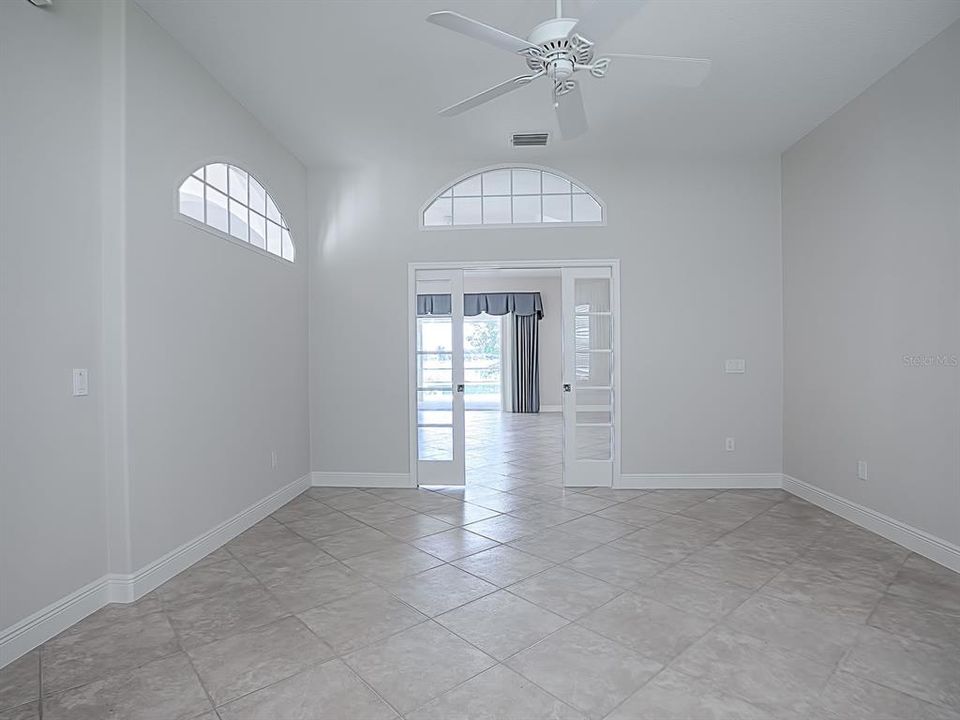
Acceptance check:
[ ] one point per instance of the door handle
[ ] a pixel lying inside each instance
(460, 388)
(567, 387)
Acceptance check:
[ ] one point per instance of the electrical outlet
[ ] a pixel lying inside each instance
(731, 444)
(80, 382)
(862, 469)
(273, 459)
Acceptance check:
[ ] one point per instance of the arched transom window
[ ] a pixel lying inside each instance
(513, 196)
(232, 201)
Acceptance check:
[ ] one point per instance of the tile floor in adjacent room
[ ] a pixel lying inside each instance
(513, 599)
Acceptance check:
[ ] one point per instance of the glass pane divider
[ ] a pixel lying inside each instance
(606, 425)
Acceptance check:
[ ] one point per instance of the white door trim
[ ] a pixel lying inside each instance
(413, 267)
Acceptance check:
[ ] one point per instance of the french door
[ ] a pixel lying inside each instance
(589, 390)
(439, 370)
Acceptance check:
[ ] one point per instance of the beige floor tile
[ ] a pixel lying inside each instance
(616, 567)
(777, 681)
(496, 694)
(167, 688)
(565, 591)
(674, 696)
(254, 659)
(440, 589)
(654, 630)
(360, 620)
(501, 624)
(20, 681)
(585, 670)
(330, 690)
(925, 671)
(413, 667)
(87, 652)
(453, 544)
(696, 594)
(503, 565)
(393, 563)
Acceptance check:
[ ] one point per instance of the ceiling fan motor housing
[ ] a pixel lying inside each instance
(557, 54)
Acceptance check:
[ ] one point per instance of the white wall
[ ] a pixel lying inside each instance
(52, 495)
(216, 333)
(871, 245)
(549, 328)
(196, 347)
(701, 282)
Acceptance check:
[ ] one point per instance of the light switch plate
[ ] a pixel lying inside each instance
(735, 365)
(862, 469)
(80, 383)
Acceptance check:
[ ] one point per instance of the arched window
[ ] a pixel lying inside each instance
(521, 195)
(232, 201)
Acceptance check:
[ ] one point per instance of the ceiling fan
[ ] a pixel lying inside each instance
(560, 48)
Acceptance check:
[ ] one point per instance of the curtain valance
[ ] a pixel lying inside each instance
(521, 304)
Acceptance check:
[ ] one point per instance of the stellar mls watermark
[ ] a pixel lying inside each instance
(927, 360)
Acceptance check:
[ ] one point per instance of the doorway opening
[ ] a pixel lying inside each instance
(513, 375)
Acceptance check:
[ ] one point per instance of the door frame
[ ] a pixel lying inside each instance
(413, 267)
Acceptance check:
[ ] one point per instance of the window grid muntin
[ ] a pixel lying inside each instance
(450, 195)
(281, 225)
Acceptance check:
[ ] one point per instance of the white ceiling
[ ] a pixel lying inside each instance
(343, 82)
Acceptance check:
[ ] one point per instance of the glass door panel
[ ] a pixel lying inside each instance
(439, 377)
(589, 392)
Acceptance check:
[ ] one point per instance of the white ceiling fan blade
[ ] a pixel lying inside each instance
(489, 94)
(571, 116)
(603, 19)
(660, 70)
(478, 30)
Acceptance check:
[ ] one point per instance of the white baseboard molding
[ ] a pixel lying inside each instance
(52, 620)
(919, 541)
(700, 481)
(324, 478)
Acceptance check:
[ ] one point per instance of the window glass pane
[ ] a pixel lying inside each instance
(466, 211)
(258, 231)
(526, 209)
(556, 208)
(238, 184)
(258, 197)
(286, 250)
(591, 295)
(198, 173)
(526, 182)
(191, 198)
(554, 184)
(273, 238)
(593, 443)
(496, 210)
(217, 210)
(217, 176)
(238, 220)
(586, 209)
(577, 188)
(435, 443)
(440, 212)
(496, 182)
(470, 186)
(272, 212)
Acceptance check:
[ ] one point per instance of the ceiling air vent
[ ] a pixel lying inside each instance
(529, 139)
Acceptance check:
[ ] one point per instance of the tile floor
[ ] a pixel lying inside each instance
(513, 599)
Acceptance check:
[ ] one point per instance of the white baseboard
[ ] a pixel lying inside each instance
(920, 542)
(700, 481)
(52, 620)
(323, 478)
